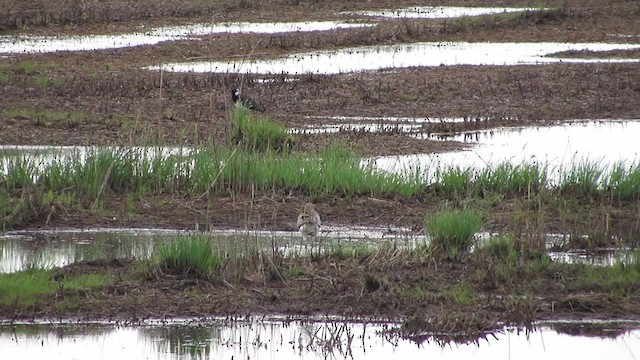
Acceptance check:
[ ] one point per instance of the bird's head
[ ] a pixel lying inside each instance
(235, 94)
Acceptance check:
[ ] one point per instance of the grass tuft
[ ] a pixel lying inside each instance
(452, 231)
(190, 256)
(258, 133)
(26, 287)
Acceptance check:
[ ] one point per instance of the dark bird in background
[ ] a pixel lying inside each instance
(246, 101)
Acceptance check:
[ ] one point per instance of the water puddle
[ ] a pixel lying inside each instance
(54, 248)
(390, 119)
(603, 143)
(600, 257)
(49, 249)
(43, 44)
(405, 55)
(273, 338)
(437, 12)
(21, 249)
(364, 127)
(394, 124)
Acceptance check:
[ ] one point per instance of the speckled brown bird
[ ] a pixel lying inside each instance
(309, 222)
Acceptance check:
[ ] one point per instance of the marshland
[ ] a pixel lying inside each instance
(453, 180)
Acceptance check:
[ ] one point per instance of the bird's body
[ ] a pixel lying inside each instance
(246, 101)
(309, 222)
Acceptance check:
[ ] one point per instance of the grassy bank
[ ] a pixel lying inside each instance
(260, 156)
(196, 276)
(334, 171)
(25, 288)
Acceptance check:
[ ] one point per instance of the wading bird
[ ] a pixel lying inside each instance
(309, 222)
(246, 101)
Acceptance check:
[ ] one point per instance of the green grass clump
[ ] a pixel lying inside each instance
(500, 248)
(258, 133)
(623, 182)
(452, 231)
(622, 278)
(26, 287)
(461, 294)
(506, 178)
(583, 179)
(355, 252)
(190, 256)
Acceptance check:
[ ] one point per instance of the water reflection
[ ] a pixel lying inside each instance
(557, 147)
(394, 124)
(404, 55)
(437, 12)
(394, 119)
(364, 127)
(43, 44)
(19, 250)
(602, 257)
(307, 339)
(54, 248)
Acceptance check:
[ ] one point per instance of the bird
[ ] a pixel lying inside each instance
(246, 101)
(309, 222)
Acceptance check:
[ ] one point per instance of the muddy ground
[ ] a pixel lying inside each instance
(105, 97)
(458, 300)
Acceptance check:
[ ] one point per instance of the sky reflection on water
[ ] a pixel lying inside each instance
(275, 339)
(366, 58)
(44, 44)
(604, 143)
(437, 12)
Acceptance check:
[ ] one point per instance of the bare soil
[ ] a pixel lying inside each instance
(120, 103)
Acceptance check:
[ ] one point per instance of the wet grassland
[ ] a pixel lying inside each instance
(183, 157)
(451, 283)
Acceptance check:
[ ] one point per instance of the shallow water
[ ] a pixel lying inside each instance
(437, 12)
(277, 339)
(47, 249)
(405, 125)
(54, 248)
(44, 44)
(559, 146)
(405, 55)
(601, 257)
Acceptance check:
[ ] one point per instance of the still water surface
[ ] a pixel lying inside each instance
(53, 248)
(56, 248)
(23, 44)
(367, 58)
(437, 12)
(277, 339)
(605, 143)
